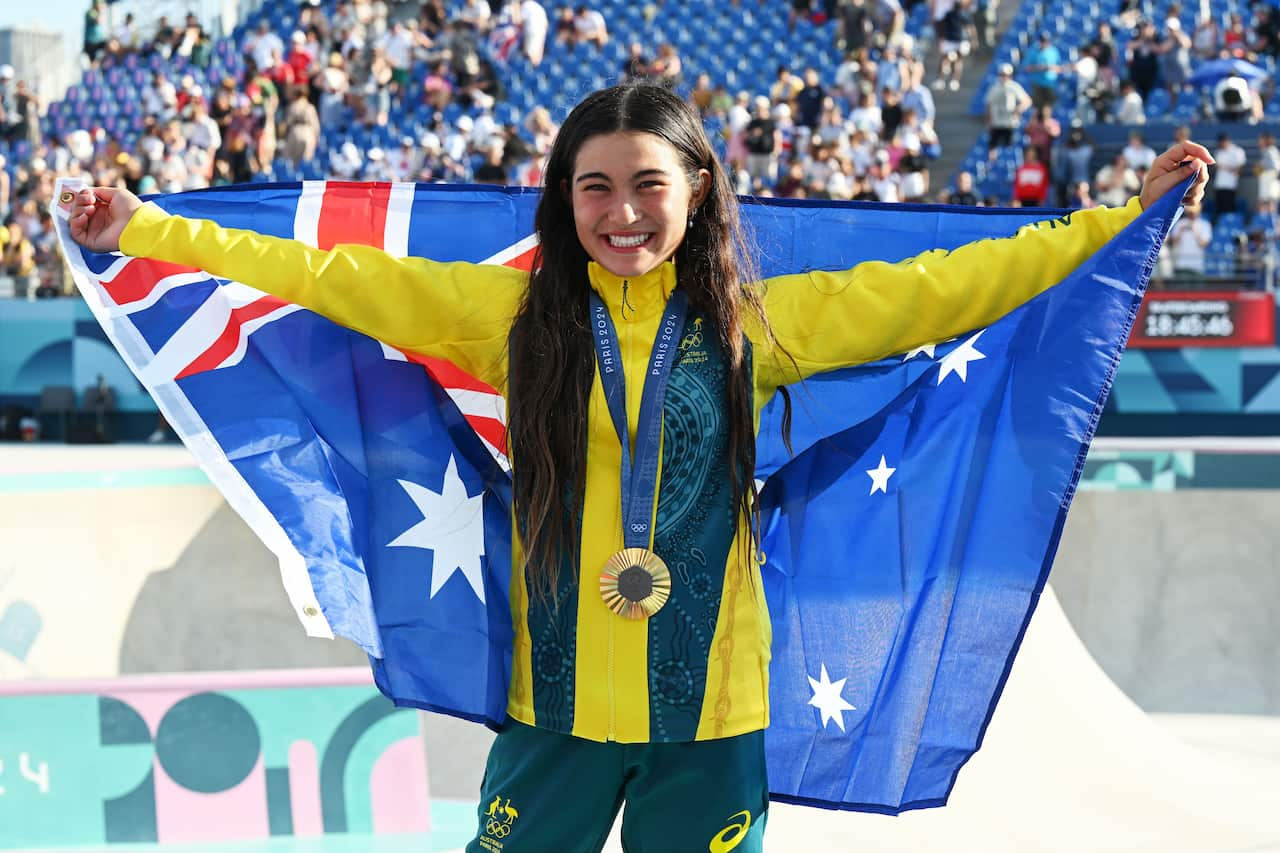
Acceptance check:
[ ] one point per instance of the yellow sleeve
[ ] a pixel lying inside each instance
(828, 320)
(457, 311)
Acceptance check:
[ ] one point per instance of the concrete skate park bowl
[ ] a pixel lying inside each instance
(156, 689)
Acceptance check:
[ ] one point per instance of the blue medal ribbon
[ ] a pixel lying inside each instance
(639, 475)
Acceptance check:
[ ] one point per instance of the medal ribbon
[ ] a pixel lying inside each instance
(639, 475)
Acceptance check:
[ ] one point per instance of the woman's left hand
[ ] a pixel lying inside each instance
(1171, 167)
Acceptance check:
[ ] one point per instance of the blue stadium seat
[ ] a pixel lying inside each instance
(1228, 224)
(1220, 264)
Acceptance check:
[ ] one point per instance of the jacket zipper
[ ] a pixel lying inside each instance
(613, 727)
(613, 723)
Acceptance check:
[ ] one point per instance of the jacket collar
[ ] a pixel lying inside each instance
(646, 295)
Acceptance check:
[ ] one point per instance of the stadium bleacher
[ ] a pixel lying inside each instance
(1072, 23)
(739, 46)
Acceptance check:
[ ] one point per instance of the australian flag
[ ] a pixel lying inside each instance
(907, 538)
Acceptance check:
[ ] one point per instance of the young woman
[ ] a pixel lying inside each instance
(641, 656)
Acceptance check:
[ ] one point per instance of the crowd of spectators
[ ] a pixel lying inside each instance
(800, 140)
(1115, 78)
(344, 69)
(1056, 169)
(1150, 68)
(28, 243)
(867, 133)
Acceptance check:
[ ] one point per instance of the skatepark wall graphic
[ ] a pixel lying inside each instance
(155, 686)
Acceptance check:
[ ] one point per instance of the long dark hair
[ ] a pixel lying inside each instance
(552, 354)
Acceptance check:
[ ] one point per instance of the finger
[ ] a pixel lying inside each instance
(1199, 152)
(1162, 183)
(1183, 150)
(1171, 163)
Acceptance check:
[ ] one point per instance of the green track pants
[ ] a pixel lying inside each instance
(545, 792)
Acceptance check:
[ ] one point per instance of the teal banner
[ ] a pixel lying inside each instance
(1175, 470)
(58, 342)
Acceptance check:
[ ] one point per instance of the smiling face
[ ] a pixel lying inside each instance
(631, 199)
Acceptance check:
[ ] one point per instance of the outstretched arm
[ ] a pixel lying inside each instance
(456, 311)
(829, 320)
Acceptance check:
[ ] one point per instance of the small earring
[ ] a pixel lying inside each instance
(690, 225)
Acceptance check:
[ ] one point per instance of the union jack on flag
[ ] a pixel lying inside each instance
(907, 538)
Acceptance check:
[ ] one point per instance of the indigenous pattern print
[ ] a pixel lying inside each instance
(695, 529)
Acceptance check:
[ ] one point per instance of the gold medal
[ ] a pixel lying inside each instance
(67, 197)
(635, 583)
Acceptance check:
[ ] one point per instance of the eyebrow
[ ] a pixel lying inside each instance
(640, 174)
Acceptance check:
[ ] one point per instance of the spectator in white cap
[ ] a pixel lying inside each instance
(457, 142)
(402, 163)
(1233, 100)
(885, 182)
(1005, 102)
(376, 167)
(485, 127)
(345, 162)
(301, 58)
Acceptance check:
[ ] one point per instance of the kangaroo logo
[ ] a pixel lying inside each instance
(694, 338)
(690, 346)
(499, 817)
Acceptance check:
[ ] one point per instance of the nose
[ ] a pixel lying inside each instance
(624, 212)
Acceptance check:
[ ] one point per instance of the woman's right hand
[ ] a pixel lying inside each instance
(98, 216)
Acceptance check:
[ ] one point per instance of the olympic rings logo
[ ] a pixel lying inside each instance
(497, 828)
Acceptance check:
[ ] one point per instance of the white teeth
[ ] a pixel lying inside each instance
(629, 241)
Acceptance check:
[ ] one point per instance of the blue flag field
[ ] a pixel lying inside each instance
(906, 540)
